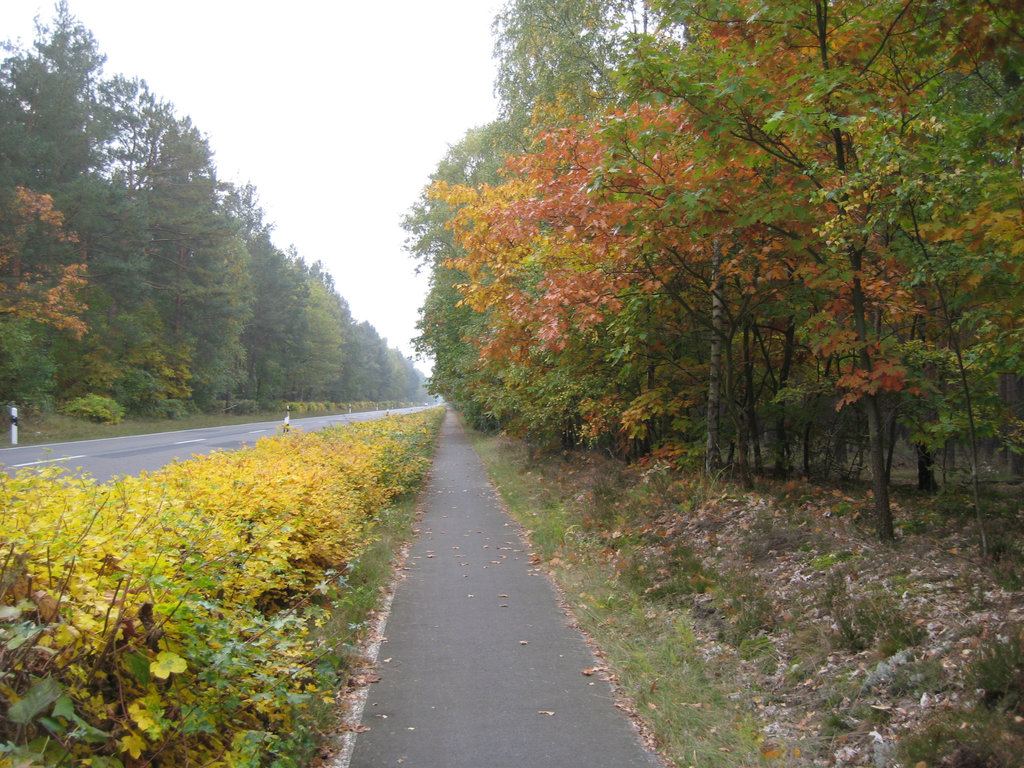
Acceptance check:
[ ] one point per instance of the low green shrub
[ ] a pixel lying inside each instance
(97, 408)
(988, 732)
(998, 672)
(873, 619)
(975, 737)
(748, 608)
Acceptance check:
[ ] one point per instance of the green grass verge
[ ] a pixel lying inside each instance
(42, 429)
(367, 579)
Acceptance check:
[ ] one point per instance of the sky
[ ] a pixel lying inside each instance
(336, 111)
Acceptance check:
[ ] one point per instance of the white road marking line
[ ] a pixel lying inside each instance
(48, 461)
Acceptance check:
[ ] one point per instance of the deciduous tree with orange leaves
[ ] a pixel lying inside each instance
(802, 236)
(35, 284)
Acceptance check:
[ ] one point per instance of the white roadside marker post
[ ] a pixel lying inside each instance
(14, 425)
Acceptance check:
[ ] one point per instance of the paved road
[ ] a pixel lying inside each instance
(480, 668)
(109, 457)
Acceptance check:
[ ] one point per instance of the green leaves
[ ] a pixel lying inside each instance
(40, 695)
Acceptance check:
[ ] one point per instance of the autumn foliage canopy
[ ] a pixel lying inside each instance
(791, 231)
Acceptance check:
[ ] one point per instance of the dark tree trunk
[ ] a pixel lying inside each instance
(925, 469)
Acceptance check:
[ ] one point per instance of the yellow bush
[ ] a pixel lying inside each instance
(170, 619)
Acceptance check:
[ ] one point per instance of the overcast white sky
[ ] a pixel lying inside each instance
(337, 111)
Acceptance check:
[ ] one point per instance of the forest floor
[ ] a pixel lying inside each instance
(812, 643)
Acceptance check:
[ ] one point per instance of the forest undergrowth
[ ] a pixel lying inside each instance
(770, 627)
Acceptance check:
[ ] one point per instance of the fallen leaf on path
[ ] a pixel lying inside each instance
(364, 678)
(547, 712)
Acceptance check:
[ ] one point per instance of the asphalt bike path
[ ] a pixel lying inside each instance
(479, 666)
